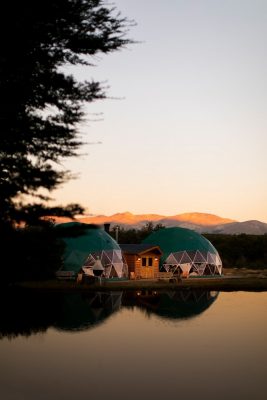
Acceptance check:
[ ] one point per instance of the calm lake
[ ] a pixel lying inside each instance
(134, 345)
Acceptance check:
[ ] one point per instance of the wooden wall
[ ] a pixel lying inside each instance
(134, 262)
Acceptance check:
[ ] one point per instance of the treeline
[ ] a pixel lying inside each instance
(34, 252)
(30, 253)
(249, 251)
(134, 235)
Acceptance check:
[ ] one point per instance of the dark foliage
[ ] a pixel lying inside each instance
(241, 250)
(31, 253)
(73, 229)
(135, 235)
(40, 105)
(25, 313)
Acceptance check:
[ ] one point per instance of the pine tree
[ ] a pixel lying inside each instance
(40, 105)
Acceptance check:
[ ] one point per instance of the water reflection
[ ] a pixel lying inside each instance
(182, 304)
(26, 313)
(82, 312)
(212, 349)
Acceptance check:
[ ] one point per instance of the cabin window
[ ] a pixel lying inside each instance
(147, 261)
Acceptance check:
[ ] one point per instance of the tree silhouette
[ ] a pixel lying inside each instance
(40, 105)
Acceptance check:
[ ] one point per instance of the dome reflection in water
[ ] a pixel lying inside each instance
(150, 344)
(26, 313)
(182, 304)
(84, 311)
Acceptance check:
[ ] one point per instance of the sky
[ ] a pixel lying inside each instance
(184, 128)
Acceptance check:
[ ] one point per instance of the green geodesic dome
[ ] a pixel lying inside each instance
(177, 239)
(181, 246)
(84, 244)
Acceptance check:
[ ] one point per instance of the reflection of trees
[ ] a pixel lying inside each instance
(25, 313)
(180, 304)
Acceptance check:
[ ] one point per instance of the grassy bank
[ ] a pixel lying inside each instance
(241, 279)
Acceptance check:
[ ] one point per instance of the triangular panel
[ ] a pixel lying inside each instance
(116, 257)
(201, 268)
(89, 261)
(171, 259)
(106, 258)
(218, 260)
(178, 256)
(199, 257)
(118, 268)
(185, 259)
(211, 258)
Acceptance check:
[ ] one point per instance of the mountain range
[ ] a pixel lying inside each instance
(199, 222)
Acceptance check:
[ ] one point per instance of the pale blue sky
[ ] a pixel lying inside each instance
(190, 131)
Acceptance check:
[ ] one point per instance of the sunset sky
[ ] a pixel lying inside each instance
(187, 128)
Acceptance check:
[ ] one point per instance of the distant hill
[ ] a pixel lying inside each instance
(199, 222)
(249, 227)
(190, 220)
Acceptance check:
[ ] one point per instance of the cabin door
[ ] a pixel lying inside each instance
(147, 270)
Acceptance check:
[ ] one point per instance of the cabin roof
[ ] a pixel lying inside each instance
(140, 248)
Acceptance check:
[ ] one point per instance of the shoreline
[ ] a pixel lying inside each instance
(232, 280)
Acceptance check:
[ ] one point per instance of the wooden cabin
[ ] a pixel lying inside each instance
(142, 260)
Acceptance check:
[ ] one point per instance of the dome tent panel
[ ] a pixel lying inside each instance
(200, 268)
(171, 259)
(116, 257)
(211, 258)
(106, 257)
(219, 268)
(185, 259)
(199, 258)
(178, 256)
(89, 261)
(118, 268)
(218, 260)
(185, 268)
